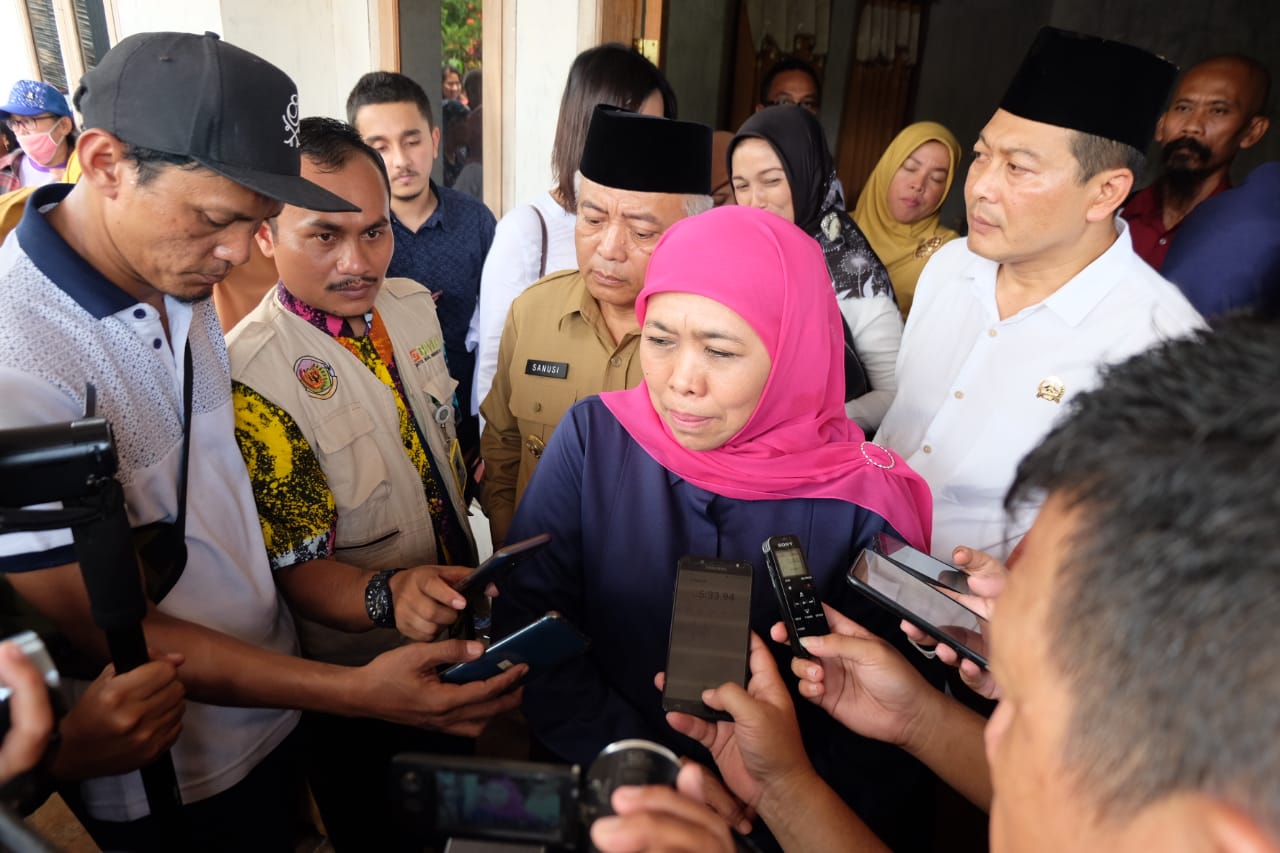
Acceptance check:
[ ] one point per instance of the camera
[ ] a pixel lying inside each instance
(542, 806)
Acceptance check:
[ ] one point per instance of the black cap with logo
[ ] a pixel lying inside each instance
(199, 97)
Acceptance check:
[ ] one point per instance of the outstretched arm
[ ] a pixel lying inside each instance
(986, 577)
(865, 683)
(764, 763)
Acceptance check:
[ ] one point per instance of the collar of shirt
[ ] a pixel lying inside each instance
(437, 219)
(579, 301)
(54, 257)
(1074, 300)
(1147, 206)
(331, 324)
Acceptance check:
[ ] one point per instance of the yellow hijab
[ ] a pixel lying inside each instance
(904, 248)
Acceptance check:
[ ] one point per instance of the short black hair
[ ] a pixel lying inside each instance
(330, 144)
(149, 163)
(789, 63)
(388, 87)
(472, 85)
(1166, 616)
(1095, 154)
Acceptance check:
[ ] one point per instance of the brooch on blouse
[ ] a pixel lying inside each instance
(831, 226)
(928, 247)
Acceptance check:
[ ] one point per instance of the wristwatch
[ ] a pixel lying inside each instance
(377, 599)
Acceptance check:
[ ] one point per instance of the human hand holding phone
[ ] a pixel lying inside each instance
(402, 686)
(862, 681)
(761, 747)
(764, 763)
(425, 599)
(986, 577)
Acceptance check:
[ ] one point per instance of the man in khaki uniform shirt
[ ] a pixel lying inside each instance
(574, 333)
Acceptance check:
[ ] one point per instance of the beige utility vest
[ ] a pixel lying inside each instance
(350, 420)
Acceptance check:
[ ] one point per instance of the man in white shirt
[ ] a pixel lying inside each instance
(1008, 327)
(107, 283)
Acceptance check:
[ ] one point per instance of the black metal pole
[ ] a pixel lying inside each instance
(109, 565)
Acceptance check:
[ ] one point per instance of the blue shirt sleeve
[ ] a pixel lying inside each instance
(619, 523)
(575, 709)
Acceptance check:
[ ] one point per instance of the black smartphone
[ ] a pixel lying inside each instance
(710, 632)
(927, 566)
(545, 643)
(475, 619)
(797, 596)
(443, 796)
(930, 606)
(504, 558)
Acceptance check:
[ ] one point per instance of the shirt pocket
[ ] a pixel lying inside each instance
(348, 452)
(538, 402)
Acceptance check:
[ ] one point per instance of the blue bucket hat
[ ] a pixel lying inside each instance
(33, 98)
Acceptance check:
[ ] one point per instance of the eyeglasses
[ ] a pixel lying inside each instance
(810, 104)
(25, 124)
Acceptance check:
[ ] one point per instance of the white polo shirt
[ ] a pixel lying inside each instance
(63, 325)
(976, 393)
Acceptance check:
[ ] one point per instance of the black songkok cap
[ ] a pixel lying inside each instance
(1104, 88)
(630, 151)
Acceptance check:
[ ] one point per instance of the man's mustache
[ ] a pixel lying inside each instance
(1186, 143)
(352, 283)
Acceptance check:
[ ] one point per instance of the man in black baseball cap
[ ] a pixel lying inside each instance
(189, 145)
(200, 98)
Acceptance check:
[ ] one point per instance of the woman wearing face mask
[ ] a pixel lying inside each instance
(898, 208)
(40, 119)
(779, 161)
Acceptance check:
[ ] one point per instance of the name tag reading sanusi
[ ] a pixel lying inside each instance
(553, 369)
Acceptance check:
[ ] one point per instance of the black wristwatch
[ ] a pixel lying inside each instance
(377, 599)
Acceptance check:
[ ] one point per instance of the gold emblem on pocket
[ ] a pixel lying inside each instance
(1051, 389)
(535, 446)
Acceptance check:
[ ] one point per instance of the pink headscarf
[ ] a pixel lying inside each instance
(798, 443)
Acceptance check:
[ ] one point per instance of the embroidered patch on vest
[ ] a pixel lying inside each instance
(316, 376)
(1051, 389)
(552, 369)
(426, 349)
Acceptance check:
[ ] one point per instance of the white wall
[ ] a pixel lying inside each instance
(15, 61)
(324, 45)
(188, 16)
(546, 36)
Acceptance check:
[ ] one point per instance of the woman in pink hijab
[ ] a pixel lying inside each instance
(737, 433)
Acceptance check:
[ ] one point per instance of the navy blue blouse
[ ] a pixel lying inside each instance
(619, 523)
